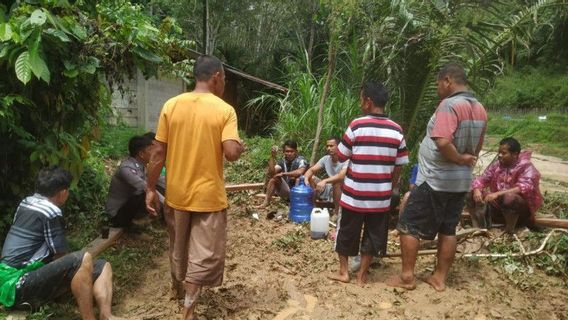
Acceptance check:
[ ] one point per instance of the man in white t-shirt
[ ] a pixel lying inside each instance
(328, 189)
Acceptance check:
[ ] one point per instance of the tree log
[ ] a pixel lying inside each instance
(245, 186)
(99, 244)
(459, 235)
(552, 223)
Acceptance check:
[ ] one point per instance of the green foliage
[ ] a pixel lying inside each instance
(403, 44)
(85, 208)
(548, 136)
(529, 89)
(292, 240)
(251, 167)
(58, 61)
(298, 109)
(554, 261)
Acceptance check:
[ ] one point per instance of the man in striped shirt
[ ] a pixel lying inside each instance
(375, 146)
(36, 267)
(447, 155)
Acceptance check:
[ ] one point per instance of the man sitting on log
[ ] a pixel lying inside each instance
(35, 267)
(328, 189)
(284, 173)
(126, 196)
(507, 191)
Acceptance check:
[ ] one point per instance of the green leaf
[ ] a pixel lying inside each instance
(38, 17)
(71, 73)
(58, 34)
(3, 51)
(23, 68)
(91, 65)
(5, 32)
(39, 67)
(76, 29)
(147, 54)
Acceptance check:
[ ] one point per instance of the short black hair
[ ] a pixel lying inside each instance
(454, 71)
(205, 67)
(336, 138)
(52, 180)
(514, 145)
(376, 91)
(291, 144)
(150, 135)
(137, 144)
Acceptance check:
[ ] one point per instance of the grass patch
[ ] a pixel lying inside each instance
(549, 137)
(555, 203)
(113, 141)
(530, 88)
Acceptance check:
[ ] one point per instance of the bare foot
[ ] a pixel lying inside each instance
(436, 283)
(396, 281)
(339, 277)
(361, 279)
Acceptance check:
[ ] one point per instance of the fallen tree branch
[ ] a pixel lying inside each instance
(460, 235)
(420, 253)
(518, 254)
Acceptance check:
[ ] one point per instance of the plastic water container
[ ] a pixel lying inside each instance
(301, 202)
(319, 223)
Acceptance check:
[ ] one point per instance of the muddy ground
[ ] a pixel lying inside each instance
(275, 271)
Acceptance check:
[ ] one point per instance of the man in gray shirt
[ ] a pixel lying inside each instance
(328, 189)
(446, 158)
(126, 196)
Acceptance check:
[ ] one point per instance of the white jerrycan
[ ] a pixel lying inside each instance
(319, 223)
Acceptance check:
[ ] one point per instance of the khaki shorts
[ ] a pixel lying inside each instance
(199, 247)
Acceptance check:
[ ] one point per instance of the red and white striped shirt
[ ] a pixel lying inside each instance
(375, 145)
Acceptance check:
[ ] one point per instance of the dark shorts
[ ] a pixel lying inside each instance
(375, 233)
(52, 280)
(429, 212)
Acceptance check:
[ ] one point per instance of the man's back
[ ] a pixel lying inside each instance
(374, 144)
(463, 120)
(194, 125)
(36, 233)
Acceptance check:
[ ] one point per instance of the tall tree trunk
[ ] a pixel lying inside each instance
(330, 70)
(312, 33)
(206, 47)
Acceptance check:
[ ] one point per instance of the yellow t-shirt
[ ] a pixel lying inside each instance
(194, 126)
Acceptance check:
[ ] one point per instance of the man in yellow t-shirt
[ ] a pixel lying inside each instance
(195, 131)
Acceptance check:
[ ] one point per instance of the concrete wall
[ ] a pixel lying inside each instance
(143, 99)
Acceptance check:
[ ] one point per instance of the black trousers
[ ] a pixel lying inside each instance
(135, 207)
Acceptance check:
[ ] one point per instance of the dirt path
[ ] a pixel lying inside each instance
(554, 171)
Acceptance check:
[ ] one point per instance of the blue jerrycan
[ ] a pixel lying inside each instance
(301, 202)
